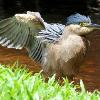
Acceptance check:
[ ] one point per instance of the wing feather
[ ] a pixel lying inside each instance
(23, 31)
(11, 36)
(19, 32)
(15, 31)
(5, 29)
(5, 22)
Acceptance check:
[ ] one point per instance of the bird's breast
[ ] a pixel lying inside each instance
(65, 54)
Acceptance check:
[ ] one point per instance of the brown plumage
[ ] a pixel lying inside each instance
(66, 55)
(59, 48)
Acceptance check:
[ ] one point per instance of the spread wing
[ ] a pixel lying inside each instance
(16, 31)
(20, 30)
(23, 30)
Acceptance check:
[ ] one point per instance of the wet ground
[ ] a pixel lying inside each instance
(89, 73)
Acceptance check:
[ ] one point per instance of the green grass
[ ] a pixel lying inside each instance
(19, 84)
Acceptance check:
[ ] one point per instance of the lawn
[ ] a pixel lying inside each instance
(18, 83)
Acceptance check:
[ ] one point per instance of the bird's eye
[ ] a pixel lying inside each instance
(82, 24)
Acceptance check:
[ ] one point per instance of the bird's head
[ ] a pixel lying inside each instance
(80, 24)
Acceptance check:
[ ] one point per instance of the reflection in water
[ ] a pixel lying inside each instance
(89, 73)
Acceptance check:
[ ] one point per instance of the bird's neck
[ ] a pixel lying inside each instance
(67, 32)
(76, 30)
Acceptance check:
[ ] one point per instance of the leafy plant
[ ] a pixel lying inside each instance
(17, 83)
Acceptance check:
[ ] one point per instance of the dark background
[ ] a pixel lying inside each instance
(51, 10)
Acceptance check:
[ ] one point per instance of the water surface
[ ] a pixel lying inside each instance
(89, 73)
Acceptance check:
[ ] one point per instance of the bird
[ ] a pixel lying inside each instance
(60, 49)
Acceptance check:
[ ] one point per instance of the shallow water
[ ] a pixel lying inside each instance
(89, 73)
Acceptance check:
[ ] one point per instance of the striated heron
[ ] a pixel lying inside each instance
(59, 48)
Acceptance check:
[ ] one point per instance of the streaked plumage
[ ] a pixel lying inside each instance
(59, 48)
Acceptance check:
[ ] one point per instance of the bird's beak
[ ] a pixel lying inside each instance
(94, 26)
